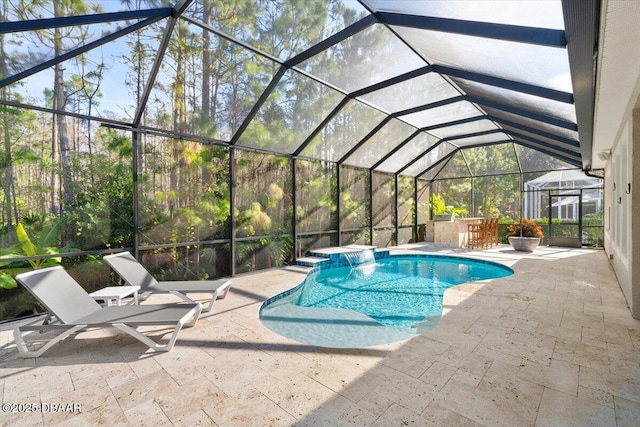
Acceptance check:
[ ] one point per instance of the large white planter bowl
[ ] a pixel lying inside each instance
(525, 244)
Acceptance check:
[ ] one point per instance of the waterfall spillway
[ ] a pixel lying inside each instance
(360, 257)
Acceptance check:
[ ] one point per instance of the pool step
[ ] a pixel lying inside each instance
(327, 252)
(310, 261)
(297, 268)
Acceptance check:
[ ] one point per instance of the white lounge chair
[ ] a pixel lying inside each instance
(135, 274)
(74, 310)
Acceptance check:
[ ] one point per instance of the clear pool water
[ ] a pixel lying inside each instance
(386, 301)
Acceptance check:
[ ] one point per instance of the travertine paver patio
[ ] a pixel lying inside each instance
(552, 345)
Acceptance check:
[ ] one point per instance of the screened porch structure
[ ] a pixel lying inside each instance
(565, 183)
(214, 137)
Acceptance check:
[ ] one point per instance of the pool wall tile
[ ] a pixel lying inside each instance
(282, 295)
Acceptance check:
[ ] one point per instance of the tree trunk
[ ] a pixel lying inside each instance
(58, 120)
(63, 136)
(90, 101)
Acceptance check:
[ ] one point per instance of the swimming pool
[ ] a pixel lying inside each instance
(388, 300)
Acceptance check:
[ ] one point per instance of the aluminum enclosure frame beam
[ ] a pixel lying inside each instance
(443, 162)
(573, 161)
(78, 51)
(180, 7)
(452, 139)
(430, 106)
(110, 122)
(365, 139)
(566, 124)
(456, 122)
(540, 91)
(569, 151)
(258, 104)
(153, 74)
(562, 139)
(393, 80)
(514, 33)
(396, 149)
(338, 37)
(321, 126)
(492, 104)
(419, 156)
(96, 18)
(527, 88)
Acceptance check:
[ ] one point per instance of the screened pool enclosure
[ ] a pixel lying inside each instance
(216, 137)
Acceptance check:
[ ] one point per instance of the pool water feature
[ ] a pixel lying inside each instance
(374, 302)
(359, 257)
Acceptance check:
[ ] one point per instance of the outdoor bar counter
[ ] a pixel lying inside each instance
(454, 232)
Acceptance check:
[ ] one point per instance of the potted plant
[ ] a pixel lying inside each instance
(525, 235)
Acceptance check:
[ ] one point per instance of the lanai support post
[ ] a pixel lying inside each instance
(294, 215)
(232, 207)
(135, 140)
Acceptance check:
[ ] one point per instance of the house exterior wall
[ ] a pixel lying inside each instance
(635, 225)
(621, 172)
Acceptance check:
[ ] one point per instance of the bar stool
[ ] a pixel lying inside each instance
(474, 232)
(485, 233)
(490, 232)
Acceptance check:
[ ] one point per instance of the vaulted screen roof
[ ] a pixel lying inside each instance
(403, 86)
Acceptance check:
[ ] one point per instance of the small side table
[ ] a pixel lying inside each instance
(113, 294)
